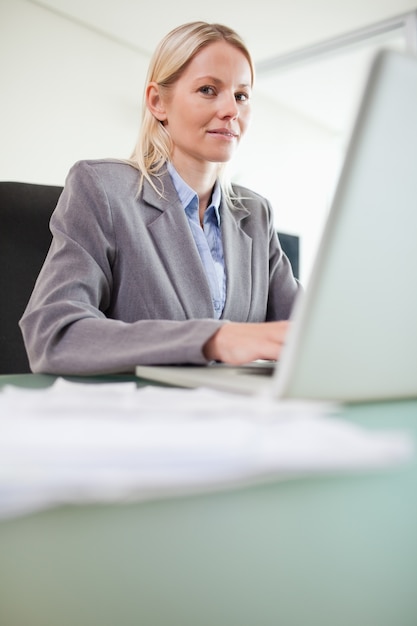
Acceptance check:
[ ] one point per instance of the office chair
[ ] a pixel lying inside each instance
(291, 246)
(25, 210)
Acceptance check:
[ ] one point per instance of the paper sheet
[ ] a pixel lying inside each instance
(74, 443)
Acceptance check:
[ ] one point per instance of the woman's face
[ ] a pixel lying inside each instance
(207, 110)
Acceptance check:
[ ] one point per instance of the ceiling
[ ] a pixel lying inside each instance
(272, 29)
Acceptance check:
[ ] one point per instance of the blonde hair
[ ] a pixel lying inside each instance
(170, 59)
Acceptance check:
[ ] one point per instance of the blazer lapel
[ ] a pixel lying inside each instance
(237, 247)
(173, 239)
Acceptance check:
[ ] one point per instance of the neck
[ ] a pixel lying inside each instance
(201, 179)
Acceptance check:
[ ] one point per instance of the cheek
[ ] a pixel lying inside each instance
(245, 118)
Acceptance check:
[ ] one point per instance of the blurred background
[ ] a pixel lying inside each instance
(72, 75)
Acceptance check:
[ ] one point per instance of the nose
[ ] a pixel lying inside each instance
(229, 108)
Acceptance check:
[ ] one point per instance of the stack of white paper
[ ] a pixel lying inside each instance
(76, 442)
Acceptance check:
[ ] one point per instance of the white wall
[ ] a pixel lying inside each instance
(66, 94)
(69, 94)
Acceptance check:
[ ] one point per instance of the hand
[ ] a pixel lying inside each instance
(238, 343)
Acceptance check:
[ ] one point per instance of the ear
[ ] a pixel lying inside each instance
(154, 102)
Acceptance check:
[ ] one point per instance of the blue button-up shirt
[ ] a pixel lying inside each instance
(207, 239)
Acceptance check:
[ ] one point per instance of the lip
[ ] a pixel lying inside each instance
(224, 132)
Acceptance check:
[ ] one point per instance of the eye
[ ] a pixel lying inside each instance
(242, 96)
(207, 90)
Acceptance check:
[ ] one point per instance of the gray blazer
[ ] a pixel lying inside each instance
(123, 283)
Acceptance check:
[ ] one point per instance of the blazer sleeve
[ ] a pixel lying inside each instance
(64, 326)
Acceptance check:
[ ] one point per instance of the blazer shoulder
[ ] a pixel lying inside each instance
(243, 194)
(110, 174)
(103, 168)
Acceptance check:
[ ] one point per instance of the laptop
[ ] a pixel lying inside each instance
(354, 331)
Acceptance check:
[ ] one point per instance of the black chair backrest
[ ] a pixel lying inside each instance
(25, 210)
(291, 246)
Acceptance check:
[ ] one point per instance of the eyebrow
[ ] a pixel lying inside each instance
(217, 81)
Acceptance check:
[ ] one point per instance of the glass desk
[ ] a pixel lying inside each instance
(330, 551)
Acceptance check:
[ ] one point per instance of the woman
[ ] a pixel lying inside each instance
(159, 260)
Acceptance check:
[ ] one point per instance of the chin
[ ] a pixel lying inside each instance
(222, 157)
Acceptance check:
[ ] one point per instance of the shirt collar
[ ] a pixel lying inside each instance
(189, 198)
